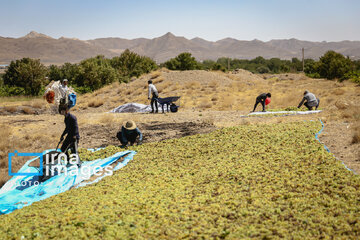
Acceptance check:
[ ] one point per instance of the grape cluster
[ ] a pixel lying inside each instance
(252, 181)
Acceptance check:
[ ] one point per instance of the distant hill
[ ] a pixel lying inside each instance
(58, 51)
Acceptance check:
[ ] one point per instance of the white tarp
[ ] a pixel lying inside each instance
(286, 112)
(131, 108)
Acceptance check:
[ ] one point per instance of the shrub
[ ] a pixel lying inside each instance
(10, 109)
(334, 65)
(7, 91)
(263, 69)
(28, 110)
(96, 103)
(356, 135)
(96, 72)
(130, 64)
(28, 74)
(184, 61)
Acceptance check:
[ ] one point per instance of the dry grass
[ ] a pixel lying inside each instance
(356, 135)
(214, 98)
(164, 87)
(192, 85)
(155, 74)
(22, 142)
(10, 109)
(338, 91)
(213, 84)
(227, 102)
(38, 104)
(5, 132)
(205, 104)
(28, 110)
(96, 103)
(351, 112)
(108, 118)
(158, 80)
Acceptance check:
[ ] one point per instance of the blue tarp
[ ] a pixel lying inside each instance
(21, 191)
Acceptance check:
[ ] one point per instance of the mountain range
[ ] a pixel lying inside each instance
(57, 51)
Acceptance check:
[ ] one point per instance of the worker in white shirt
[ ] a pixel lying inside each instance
(63, 88)
(153, 93)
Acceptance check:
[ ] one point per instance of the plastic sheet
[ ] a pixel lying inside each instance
(21, 191)
(286, 112)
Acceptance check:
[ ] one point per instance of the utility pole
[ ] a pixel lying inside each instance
(229, 64)
(303, 60)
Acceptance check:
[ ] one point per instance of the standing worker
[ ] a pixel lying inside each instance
(153, 93)
(71, 131)
(311, 101)
(129, 133)
(63, 88)
(264, 98)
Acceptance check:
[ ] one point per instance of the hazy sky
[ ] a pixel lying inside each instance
(316, 20)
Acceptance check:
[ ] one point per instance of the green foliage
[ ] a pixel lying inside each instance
(260, 65)
(354, 77)
(262, 69)
(212, 65)
(130, 64)
(184, 61)
(96, 72)
(28, 74)
(6, 91)
(334, 65)
(93, 73)
(1, 79)
(67, 71)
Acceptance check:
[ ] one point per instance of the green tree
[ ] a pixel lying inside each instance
(208, 64)
(172, 64)
(67, 71)
(96, 72)
(184, 61)
(130, 64)
(259, 60)
(334, 65)
(55, 73)
(28, 74)
(274, 64)
(296, 65)
(263, 69)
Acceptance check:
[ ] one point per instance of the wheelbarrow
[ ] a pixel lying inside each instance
(169, 102)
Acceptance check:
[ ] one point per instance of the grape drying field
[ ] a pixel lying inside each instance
(250, 181)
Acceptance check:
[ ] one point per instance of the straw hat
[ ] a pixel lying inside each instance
(129, 125)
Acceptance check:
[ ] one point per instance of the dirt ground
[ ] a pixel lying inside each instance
(337, 136)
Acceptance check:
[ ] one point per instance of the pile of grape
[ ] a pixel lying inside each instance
(253, 181)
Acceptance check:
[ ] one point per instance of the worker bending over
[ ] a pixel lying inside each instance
(263, 98)
(311, 101)
(129, 133)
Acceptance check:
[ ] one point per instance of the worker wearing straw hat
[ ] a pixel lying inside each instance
(129, 133)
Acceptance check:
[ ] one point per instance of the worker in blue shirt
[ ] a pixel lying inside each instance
(71, 131)
(129, 133)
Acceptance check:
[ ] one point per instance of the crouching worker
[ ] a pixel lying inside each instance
(129, 133)
(263, 98)
(72, 134)
(311, 101)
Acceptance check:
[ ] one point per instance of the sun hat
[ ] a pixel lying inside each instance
(129, 125)
(65, 80)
